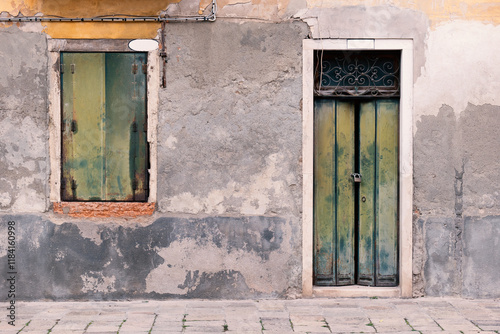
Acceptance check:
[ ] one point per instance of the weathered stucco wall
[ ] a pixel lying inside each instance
(231, 139)
(24, 163)
(214, 257)
(456, 160)
(229, 201)
(228, 219)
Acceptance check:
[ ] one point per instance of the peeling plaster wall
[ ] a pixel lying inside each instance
(24, 162)
(230, 137)
(216, 257)
(228, 217)
(456, 162)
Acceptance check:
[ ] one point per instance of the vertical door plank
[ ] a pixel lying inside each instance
(345, 156)
(367, 153)
(324, 194)
(387, 201)
(83, 136)
(125, 127)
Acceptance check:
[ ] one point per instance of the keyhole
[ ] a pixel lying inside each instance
(363, 199)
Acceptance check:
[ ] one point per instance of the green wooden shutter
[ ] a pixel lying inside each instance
(104, 144)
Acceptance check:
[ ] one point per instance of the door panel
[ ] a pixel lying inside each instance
(355, 224)
(387, 190)
(345, 159)
(367, 154)
(324, 193)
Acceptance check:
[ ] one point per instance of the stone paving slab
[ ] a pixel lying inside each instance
(341, 315)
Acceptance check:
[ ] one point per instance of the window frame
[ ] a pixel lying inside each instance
(56, 46)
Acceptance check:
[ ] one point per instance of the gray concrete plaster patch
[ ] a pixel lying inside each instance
(58, 262)
(478, 126)
(481, 257)
(441, 275)
(23, 121)
(455, 161)
(434, 169)
(230, 119)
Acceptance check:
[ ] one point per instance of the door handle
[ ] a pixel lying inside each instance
(356, 177)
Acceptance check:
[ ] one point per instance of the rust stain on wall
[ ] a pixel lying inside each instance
(104, 209)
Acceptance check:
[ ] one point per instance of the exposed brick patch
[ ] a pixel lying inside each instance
(104, 209)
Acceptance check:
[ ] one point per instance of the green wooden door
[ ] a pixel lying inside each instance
(104, 144)
(356, 223)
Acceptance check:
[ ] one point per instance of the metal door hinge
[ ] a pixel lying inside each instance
(145, 68)
(74, 126)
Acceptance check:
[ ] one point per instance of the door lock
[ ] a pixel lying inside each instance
(356, 177)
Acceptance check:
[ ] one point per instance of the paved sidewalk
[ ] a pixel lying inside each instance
(407, 316)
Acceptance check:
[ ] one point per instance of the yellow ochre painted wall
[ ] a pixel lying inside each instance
(438, 11)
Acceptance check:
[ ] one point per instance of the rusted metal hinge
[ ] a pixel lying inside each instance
(134, 68)
(74, 126)
(145, 68)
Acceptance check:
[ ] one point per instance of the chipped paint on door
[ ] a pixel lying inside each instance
(355, 224)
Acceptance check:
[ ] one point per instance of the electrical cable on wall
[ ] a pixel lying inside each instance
(115, 18)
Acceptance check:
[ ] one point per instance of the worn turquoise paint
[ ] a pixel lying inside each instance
(356, 225)
(324, 192)
(104, 146)
(333, 193)
(386, 209)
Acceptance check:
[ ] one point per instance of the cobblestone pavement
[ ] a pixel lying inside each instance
(407, 316)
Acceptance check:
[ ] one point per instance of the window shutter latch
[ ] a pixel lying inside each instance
(74, 126)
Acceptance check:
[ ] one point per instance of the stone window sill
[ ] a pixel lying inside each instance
(104, 209)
